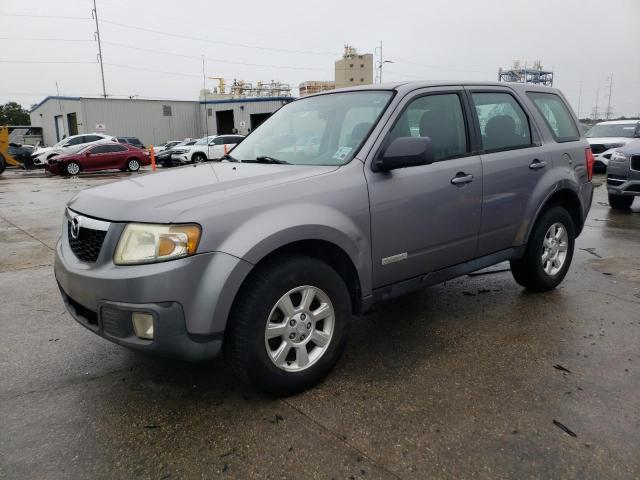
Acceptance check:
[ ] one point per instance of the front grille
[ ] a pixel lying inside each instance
(598, 148)
(635, 162)
(88, 244)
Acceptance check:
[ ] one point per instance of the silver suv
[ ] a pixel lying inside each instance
(336, 202)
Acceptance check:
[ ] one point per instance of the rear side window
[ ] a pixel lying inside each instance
(438, 117)
(503, 123)
(556, 115)
(117, 148)
(101, 149)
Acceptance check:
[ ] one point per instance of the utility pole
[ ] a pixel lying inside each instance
(579, 97)
(206, 109)
(94, 13)
(379, 63)
(608, 113)
(596, 113)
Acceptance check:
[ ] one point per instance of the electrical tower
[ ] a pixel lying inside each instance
(519, 74)
(609, 112)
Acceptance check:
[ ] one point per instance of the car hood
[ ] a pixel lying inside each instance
(168, 196)
(41, 150)
(608, 140)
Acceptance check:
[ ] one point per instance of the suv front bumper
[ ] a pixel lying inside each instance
(622, 180)
(189, 298)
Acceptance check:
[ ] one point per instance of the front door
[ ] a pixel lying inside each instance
(513, 163)
(427, 217)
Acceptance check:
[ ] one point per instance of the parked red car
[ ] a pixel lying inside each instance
(101, 156)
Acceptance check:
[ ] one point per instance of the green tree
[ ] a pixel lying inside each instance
(12, 113)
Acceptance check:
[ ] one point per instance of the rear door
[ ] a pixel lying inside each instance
(427, 217)
(513, 162)
(98, 158)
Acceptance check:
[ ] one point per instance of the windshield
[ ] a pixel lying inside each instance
(612, 130)
(322, 130)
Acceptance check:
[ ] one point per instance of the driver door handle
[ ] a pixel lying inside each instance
(462, 178)
(537, 164)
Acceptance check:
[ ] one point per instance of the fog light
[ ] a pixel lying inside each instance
(143, 325)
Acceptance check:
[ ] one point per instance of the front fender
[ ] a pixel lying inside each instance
(276, 227)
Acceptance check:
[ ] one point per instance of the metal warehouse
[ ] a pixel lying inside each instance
(152, 121)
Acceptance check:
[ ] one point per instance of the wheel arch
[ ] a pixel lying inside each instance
(567, 199)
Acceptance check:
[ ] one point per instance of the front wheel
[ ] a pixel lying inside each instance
(620, 202)
(198, 157)
(288, 325)
(133, 165)
(72, 168)
(548, 253)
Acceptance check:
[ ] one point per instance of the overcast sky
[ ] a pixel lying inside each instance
(581, 40)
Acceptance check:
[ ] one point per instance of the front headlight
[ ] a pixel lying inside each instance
(618, 156)
(147, 243)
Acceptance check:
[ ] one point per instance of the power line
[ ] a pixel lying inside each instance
(195, 57)
(62, 17)
(130, 67)
(48, 61)
(217, 42)
(439, 67)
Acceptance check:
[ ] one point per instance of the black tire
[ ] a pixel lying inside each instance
(133, 164)
(528, 271)
(3, 164)
(72, 168)
(245, 346)
(198, 157)
(620, 202)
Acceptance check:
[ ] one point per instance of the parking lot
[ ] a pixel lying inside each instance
(474, 378)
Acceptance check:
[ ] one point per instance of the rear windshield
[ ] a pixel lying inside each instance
(612, 130)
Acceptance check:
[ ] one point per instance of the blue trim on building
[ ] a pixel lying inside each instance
(53, 97)
(248, 100)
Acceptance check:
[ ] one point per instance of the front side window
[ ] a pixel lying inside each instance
(75, 141)
(101, 149)
(92, 138)
(503, 123)
(323, 130)
(117, 148)
(438, 117)
(556, 115)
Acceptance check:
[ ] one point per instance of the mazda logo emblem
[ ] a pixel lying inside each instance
(75, 228)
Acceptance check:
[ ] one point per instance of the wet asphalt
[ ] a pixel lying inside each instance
(474, 378)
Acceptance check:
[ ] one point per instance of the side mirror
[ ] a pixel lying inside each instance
(404, 152)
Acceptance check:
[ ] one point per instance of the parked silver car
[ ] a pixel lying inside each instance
(267, 254)
(623, 176)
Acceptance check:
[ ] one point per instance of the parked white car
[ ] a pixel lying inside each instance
(212, 147)
(168, 145)
(69, 145)
(605, 137)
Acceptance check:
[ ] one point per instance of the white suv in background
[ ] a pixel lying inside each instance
(605, 137)
(68, 145)
(212, 147)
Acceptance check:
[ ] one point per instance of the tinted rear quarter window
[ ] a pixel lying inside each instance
(556, 115)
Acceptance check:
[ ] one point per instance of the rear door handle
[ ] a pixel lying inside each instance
(462, 178)
(537, 164)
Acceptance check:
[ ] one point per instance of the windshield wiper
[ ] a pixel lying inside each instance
(265, 159)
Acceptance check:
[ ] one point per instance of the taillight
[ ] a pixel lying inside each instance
(588, 155)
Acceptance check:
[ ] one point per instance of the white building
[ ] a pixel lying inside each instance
(152, 121)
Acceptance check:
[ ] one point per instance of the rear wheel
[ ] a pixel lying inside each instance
(548, 253)
(72, 168)
(288, 326)
(620, 202)
(133, 165)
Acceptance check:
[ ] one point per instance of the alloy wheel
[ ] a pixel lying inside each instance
(299, 328)
(554, 249)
